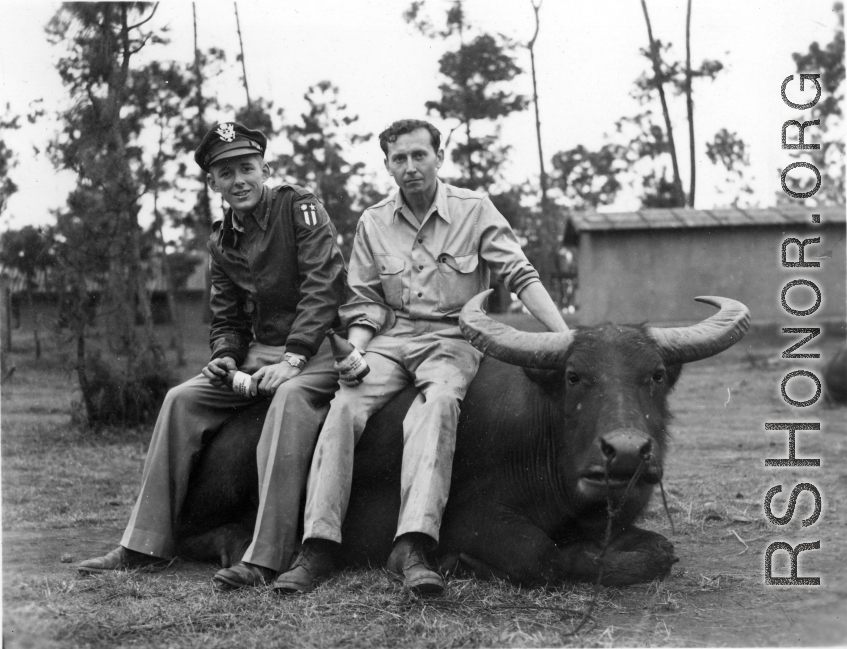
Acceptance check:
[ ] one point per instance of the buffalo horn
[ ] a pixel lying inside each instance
(711, 336)
(543, 351)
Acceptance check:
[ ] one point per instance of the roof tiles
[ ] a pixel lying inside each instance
(660, 219)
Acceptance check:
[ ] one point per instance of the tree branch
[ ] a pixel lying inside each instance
(450, 134)
(140, 47)
(146, 20)
(536, 8)
(657, 71)
(690, 107)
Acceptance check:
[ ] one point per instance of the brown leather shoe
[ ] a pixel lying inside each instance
(409, 565)
(120, 558)
(312, 566)
(243, 575)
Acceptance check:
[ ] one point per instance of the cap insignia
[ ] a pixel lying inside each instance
(226, 132)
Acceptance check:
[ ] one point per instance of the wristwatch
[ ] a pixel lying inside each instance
(295, 360)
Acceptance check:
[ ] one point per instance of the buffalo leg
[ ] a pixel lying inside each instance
(218, 514)
(517, 549)
(225, 544)
(634, 556)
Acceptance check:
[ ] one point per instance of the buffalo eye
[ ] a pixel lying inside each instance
(658, 376)
(572, 378)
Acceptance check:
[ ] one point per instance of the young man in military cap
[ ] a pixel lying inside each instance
(278, 279)
(417, 258)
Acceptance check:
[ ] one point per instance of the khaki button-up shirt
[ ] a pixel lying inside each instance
(402, 269)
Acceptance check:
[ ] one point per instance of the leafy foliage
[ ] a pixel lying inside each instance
(671, 72)
(638, 153)
(99, 239)
(588, 178)
(478, 74)
(28, 250)
(114, 399)
(731, 152)
(189, 127)
(257, 115)
(181, 266)
(319, 161)
(7, 160)
(829, 159)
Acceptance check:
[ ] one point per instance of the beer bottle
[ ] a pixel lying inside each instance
(349, 359)
(239, 382)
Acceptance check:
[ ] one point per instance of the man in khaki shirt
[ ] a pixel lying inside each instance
(418, 257)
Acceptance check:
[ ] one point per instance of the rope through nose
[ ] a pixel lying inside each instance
(612, 513)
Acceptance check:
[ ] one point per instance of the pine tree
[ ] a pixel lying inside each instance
(100, 238)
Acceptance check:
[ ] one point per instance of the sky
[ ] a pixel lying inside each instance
(587, 56)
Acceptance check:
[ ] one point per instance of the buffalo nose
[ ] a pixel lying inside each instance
(623, 448)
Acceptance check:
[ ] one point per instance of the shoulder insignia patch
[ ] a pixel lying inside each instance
(308, 213)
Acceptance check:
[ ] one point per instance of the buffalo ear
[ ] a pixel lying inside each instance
(673, 374)
(545, 378)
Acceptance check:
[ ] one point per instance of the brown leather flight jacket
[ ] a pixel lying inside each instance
(280, 281)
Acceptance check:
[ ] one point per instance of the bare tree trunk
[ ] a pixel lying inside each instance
(173, 309)
(128, 291)
(531, 47)
(548, 227)
(241, 44)
(471, 183)
(35, 322)
(139, 298)
(467, 118)
(679, 196)
(204, 221)
(80, 314)
(145, 311)
(690, 106)
(6, 314)
(166, 270)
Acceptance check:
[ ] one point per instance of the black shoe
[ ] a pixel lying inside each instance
(409, 565)
(312, 566)
(120, 558)
(243, 575)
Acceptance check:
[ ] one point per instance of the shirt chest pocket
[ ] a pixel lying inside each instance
(458, 280)
(390, 270)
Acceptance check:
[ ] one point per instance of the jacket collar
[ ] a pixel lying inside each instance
(260, 214)
(263, 210)
(439, 205)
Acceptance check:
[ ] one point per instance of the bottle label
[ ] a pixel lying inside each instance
(241, 384)
(354, 365)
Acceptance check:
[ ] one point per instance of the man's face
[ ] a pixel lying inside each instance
(239, 181)
(413, 163)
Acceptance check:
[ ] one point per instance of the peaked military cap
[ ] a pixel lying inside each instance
(228, 140)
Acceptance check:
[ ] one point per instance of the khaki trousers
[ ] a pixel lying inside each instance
(195, 410)
(441, 364)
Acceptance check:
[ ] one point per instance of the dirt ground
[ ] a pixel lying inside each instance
(715, 485)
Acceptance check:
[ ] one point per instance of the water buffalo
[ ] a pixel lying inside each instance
(552, 431)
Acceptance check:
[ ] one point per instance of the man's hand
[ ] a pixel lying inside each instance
(217, 369)
(360, 337)
(348, 379)
(268, 378)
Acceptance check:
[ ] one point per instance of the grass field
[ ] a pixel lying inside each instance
(67, 492)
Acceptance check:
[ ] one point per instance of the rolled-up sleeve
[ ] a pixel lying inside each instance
(366, 305)
(500, 249)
